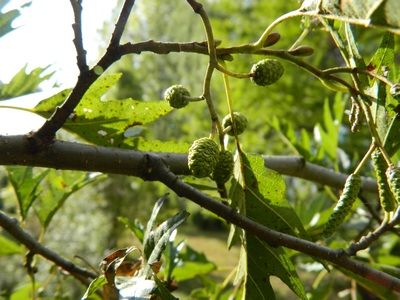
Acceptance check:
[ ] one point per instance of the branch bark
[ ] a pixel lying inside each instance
(161, 167)
(18, 150)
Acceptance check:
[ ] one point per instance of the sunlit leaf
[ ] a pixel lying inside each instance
(26, 185)
(7, 18)
(8, 246)
(111, 122)
(24, 83)
(378, 13)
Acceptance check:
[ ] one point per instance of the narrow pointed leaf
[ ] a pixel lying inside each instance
(161, 237)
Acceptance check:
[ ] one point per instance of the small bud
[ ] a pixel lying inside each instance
(272, 39)
(302, 51)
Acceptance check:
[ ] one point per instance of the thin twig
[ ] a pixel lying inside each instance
(12, 227)
(78, 40)
(371, 237)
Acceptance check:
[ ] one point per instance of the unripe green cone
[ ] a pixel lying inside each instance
(266, 72)
(224, 168)
(175, 95)
(240, 122)
(203, 157)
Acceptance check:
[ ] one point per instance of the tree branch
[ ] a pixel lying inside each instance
(161, 167)
(18, 150)
(12, 227)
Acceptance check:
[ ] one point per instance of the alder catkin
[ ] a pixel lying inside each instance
(343, 206)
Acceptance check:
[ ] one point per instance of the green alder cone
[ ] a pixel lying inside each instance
(343, 207)
(393, 177)
(240, 122)
(266, 72)
(176, 96)
(224, 168)
(203, 157)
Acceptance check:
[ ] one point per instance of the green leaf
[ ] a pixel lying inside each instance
(368, 13)
(263, 201)
(191, 269)
(160, 237)
(26, 185)
(24, 292)
(7, 18)
(94, 286)
(24, 83)
(8, 247)
(59, 186)
(148, 240)
(382, 60)
(105, 123)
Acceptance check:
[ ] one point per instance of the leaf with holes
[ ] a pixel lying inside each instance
(105, 122)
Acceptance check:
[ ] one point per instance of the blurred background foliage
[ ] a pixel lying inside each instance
(295, 103)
